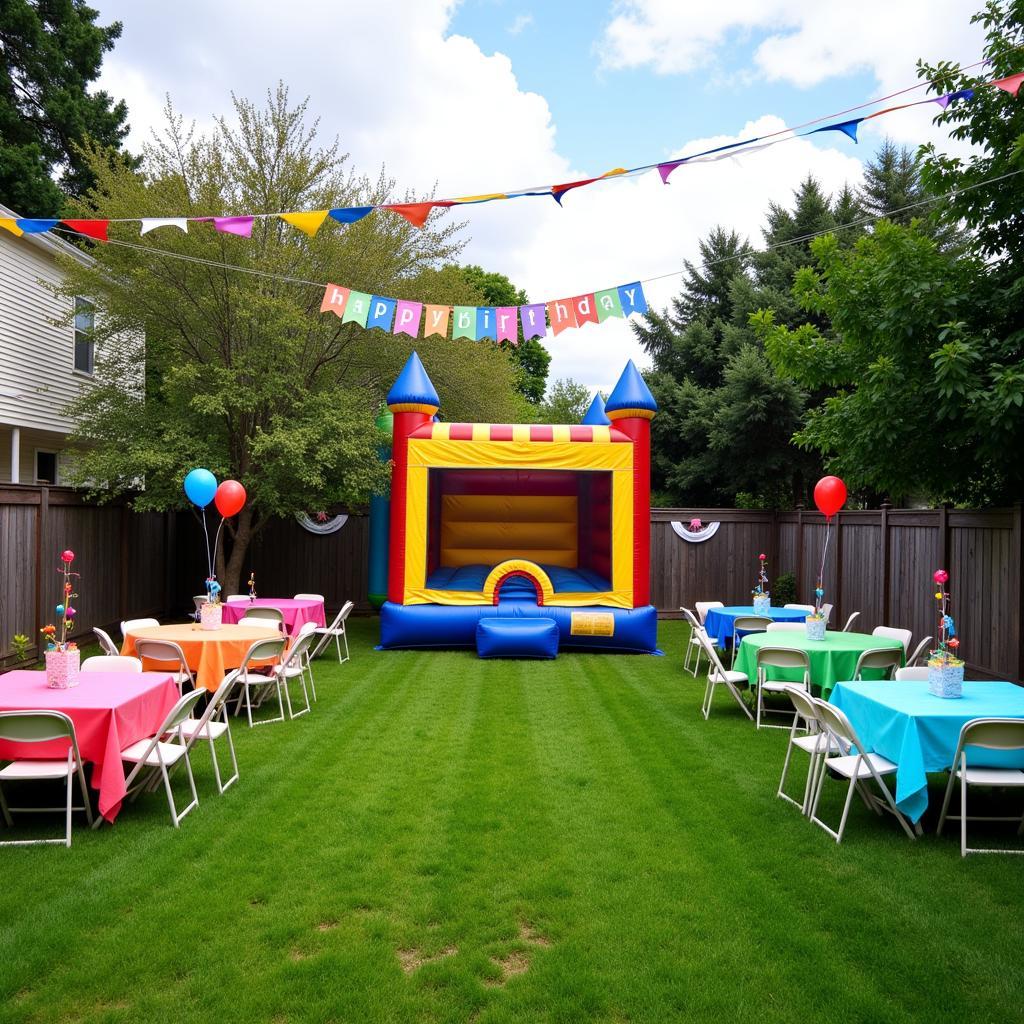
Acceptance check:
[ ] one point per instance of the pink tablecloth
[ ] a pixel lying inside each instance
(295, 612)
(111, 711)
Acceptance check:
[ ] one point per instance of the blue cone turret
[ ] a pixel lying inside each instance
(413, 391)
(595, 416)
(631, 397)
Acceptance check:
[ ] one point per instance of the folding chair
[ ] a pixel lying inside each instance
(718, 675)
(850, 621)
(337, 630)
(779, 657)
(988, 734)
(272, 616)
(744, 624)
(918, 673)
(894, 633)
(826, 610)
(107, 646)
(153, 757)
(42, 727)
(169, 658)
(111, 663)
(801, 607)
(129, 624)
(309, 627)
(252, 681)
(886, 658)
(693, 645)
(855, 765)
(231, 597)
(293, 665)
(817, 743)
(309, 597)
(210, 726)
(915, 658)
(785, 627)
(198, 600)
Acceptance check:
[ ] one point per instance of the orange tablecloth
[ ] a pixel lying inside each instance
(210, 653)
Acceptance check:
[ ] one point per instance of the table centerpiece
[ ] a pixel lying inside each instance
(945, 669)
(61, 655)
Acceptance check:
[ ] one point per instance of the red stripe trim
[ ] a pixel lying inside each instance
(524, 575)
(581, 433)
(541, 433)
(461, 432)
(501, 432)
(619, 436)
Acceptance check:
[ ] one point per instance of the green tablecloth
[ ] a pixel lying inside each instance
(833, 660)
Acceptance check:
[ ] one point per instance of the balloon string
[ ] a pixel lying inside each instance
(209, 563)
(821, 568)
(216, 541)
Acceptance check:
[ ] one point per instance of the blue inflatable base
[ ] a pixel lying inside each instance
(498, 637)
(632, 630)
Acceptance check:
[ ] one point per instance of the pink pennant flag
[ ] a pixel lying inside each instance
(507, 318)
(667, 168)
(407, 318)
(335, 299)
(436, 321)
(234, 225)
(1011, 84)
(585, 309)
(561, 314)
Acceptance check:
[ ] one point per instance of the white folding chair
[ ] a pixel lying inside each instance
(169, 657)
(309, 597)
(111, 663)
(816, 744)
(914, 673)
(153, 757)
(855, 765)
(986, 734)
(107, 645)
(210, 726)
(719, 675)
(234, 597)
(270, 617)
(779, 657)
(293, 665)
(309, 627)
(850, 621)
(887, 658)
(42, 727)
(801, 607)
(337, 630)
(785, 627)
(130, 624)
(826, 610)
(254, 685)
(693, 646)
(915, 658)
(894, 633)
(744, 624)
(198, 600)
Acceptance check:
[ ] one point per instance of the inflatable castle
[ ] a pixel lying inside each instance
(520, 539)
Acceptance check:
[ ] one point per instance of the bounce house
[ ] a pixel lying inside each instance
(520, 539)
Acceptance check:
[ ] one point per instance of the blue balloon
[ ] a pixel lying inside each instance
(200, 487)
(60, 609)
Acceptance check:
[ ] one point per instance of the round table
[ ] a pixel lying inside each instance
(296, 611)
(718, 623)
(833, 659)
(210, 653)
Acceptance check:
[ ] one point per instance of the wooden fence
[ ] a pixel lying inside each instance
(879, 564)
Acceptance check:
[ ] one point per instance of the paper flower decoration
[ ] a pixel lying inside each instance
(940, 576)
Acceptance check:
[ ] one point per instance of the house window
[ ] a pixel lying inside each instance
(84, 344)
(46, 467)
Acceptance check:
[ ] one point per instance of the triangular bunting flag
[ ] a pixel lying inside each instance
(35, 226)
(306, 222)
(350, 214)
(152, 223)
(234, 225)
(11, 224)
(667, 168)
(92, 228)
(846, 127)
(415, 213)
(1010, 84)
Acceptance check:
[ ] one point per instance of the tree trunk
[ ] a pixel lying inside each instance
(229, 568)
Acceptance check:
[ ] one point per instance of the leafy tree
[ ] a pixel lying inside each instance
(241, 372)
(50, 52)
(567, 402)
(531, 357)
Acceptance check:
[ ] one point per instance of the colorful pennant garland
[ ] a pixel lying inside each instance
(417, 213)
(479, 323)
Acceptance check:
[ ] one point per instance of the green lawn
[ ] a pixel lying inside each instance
(450, 840)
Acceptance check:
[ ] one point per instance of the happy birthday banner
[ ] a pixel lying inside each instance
(417, 213)
(499, 323)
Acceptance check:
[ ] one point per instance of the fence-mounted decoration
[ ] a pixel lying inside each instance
(696, 531)
(321, 522)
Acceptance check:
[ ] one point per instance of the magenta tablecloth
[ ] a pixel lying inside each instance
(295, 612)
(111, 711)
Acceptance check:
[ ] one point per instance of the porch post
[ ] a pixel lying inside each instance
(15, 455)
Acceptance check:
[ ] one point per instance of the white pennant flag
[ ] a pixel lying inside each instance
(149, 223)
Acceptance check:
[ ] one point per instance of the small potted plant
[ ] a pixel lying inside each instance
(945, 669)
(815, 622)
(210, 611)
(62, 655)
(760, 595)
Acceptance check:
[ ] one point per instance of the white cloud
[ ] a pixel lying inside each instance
(433, 108)
(521, 22)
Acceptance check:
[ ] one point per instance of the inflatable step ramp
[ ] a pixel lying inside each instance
(501, 637)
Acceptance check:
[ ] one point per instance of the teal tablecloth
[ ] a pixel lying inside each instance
(905, 723)
(832, 659)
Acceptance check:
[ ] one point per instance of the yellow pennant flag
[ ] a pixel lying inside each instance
(11, 224)
(308, 222)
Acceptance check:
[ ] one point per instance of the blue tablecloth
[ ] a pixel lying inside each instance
(905, 723)
(718, 623)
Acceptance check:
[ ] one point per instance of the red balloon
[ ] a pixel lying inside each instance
(829, 495)
(230, 498)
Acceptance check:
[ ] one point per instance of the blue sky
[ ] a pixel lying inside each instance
(579, 88)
